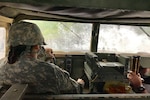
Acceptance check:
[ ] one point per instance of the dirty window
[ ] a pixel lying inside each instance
(66, 36)
(124, 39)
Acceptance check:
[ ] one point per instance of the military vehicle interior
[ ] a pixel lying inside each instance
(86, 51)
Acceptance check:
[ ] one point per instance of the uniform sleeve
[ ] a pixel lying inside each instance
(66, 83)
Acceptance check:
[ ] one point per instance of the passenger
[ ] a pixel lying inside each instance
(22, 65)
(46, 54)
(136, 82)
(50, 57)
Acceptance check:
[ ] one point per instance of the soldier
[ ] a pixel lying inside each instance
(46, 54)
(22, 65)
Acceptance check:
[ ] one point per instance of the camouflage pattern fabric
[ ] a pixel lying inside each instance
(42, 77)
(25, 33)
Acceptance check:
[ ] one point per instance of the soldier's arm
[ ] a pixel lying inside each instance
(66, 83)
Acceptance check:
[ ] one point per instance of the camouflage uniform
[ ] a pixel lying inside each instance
(41, 76)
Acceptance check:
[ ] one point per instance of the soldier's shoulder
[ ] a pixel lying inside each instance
(46, 64)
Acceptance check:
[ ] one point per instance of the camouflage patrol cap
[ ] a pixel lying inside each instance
(25, 33)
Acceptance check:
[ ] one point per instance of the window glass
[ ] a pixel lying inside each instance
(2, 42)
(124, 39)
(66, 36)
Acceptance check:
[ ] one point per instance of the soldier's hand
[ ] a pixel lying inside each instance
(135, 79)
(81, 81)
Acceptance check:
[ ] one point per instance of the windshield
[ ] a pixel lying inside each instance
(124, 39)
(71, 36)
(66, 36)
